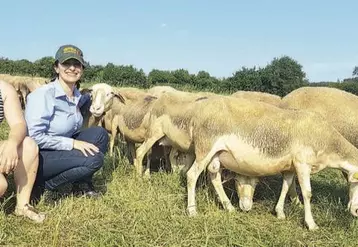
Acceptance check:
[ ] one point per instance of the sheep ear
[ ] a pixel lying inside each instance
(86, 90)
(119, 96)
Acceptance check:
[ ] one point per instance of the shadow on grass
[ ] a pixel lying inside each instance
(329, 197)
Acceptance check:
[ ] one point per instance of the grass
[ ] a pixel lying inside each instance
(135, 212)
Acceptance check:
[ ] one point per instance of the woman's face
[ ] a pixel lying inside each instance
(70, 71)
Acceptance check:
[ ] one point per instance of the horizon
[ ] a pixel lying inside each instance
(219, 38)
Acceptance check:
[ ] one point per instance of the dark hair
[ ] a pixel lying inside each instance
(55, 76)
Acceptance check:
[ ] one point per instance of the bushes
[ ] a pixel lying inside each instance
(279, 77)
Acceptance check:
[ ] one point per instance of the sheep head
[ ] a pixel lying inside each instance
(102, 98)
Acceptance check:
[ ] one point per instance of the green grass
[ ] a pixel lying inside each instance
(135, 212)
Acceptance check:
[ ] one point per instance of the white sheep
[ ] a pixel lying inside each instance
(257, 139)
(259, 96)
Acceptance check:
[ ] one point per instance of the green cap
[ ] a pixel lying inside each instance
(66, 52)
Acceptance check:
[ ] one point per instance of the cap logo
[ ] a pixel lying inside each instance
(71, 50)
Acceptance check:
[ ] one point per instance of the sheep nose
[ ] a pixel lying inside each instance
(95, 108)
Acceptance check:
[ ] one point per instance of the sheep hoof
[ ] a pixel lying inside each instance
(192, 211)
(313, 227)
(229, 207)
(281, 216)
(146, 174)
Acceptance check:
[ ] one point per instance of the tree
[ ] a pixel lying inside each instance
(245, 79)
(124, 75)
(282, 76)
(160, 77)
(182, 76)
(93, 73)
(43, 67)
(355, 71)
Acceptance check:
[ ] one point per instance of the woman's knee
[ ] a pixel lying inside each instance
(3, 185)
(101, 133)
(95, 162)
(101, 137)
(29, 147)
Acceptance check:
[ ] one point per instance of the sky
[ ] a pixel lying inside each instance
(219, 37)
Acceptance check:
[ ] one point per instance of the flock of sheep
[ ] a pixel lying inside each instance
(251, 134)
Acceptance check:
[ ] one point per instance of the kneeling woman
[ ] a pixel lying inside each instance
(18, 154)
(53, 116)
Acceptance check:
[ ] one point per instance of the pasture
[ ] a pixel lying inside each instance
(136, 212)
(152, 212)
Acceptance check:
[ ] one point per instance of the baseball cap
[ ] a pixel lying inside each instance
(66, 52)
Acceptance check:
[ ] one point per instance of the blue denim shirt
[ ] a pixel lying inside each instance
(52, 118)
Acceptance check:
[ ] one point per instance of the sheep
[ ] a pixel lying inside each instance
(128, 108)
(257, 139)
(168, 123)
(338, 107)
(245, 186)
(260, 96)
(104, 110)
(157, 91)
(23, 85)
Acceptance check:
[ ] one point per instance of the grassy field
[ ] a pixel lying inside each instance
(136, 212)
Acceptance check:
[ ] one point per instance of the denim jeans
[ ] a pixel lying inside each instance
(60, 167)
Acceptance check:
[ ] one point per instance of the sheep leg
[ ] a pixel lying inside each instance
(114, 131)
(173, 160)
(192, 177)
(303, 171)
(142, 150)
(292, 193)
(215, 177)
(286, 184)
(131, 150)
(187, 161)
(147, 169)
(167, 151)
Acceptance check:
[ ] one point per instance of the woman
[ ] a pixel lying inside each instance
(54, 119)
(18, 154)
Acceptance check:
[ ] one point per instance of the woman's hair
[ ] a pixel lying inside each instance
(55, 76)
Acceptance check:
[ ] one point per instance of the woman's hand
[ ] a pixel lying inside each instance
(9, 157)
(85, 147)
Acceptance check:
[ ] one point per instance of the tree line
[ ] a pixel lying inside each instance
(280, 76)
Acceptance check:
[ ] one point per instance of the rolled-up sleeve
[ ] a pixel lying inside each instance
(38, 112)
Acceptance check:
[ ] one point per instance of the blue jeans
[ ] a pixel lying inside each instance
(60, 167)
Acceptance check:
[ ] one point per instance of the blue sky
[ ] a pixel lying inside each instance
(216, 36)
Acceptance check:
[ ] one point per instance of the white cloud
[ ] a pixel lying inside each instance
(163, 25)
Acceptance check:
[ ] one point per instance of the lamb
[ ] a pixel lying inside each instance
(257, 139)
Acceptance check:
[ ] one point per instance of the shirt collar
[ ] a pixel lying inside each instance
(59, 92)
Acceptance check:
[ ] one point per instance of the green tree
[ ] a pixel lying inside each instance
(6, 66)
(93, 73)
(124, 75)
(282, 76)
(355, 71)
(43, 67)
(182, 76)
(247, 79)
(160, 77)
(24, 67)
(205, 81)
